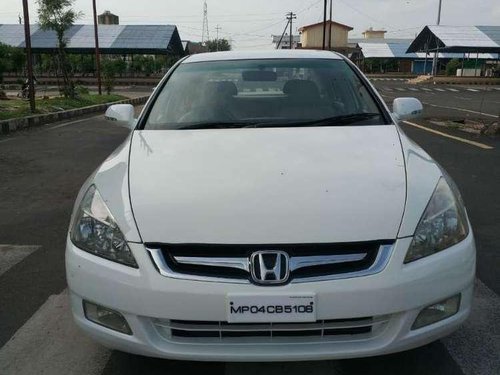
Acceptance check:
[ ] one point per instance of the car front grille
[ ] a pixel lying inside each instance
(307, 262)
(359, 328)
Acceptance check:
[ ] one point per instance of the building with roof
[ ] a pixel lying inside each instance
(457, 39)
(283, 42)
(381, 55)
(374, 34)
(108, 18)
(113, 39)
(191, 48)
(311, 36)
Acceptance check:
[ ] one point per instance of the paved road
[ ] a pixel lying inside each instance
(448, 101)
(42, 171)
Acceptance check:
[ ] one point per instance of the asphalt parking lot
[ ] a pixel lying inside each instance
(43, 169)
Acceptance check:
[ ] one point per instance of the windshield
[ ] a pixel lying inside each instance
(270, 92)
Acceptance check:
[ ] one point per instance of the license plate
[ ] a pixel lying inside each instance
(293, 308)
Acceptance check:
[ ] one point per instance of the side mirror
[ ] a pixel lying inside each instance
(123, 114)
(407, 108)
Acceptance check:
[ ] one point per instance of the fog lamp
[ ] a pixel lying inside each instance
(437, 312)
(106, 317)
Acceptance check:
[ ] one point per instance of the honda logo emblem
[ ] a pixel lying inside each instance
(269, 267)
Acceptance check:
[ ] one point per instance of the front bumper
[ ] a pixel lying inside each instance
(399, 293)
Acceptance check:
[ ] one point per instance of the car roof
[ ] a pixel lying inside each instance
(269, 54)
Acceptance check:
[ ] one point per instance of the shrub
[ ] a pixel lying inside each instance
(452, 66)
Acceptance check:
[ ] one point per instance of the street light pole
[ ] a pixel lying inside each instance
(330, 27)
(29, 57)
(324, 24)
(439, 12)
(97, 55)
(436, 53)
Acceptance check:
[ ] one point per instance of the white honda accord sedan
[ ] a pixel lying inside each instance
(268, 207)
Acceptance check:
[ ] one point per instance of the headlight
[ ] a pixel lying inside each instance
(95, 230)
(443, 224)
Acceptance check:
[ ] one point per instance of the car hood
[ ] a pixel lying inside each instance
(267, 186)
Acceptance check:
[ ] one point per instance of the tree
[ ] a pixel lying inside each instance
(218, 45)
(57, 15)
(110, 69)
(11, 59)
(452, 66)
(4, 60)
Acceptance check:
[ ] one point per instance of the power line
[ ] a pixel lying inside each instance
(362, 13)
(309, 7)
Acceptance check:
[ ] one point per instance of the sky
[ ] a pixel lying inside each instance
(249, 24)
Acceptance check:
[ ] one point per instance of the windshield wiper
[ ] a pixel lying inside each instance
(218, 125)
(328, 121)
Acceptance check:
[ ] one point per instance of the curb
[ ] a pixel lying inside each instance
(9, 126)
(467, 81)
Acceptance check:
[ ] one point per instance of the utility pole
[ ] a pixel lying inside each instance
(435, 61)
(290, 17)
(330, 27)
(29, 57)
(324, 24)
(97, 54)
(217, 39)
(282, 35)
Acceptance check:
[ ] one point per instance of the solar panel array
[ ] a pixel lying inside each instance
(397, 49)
(459, 39)
(119, 39)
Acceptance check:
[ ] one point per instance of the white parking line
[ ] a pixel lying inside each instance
(412, 89)
(426, 89)
(440, 90)
(400, 89)
(475, 347)
(453, 90)
(50, 343)
(461, 110)
(473, 90)
(10, 255)
(463, 140)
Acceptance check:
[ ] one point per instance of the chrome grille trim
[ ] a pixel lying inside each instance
(238, 263)
(323, 330)
(322, 324)
(323, 260)
(383, 256)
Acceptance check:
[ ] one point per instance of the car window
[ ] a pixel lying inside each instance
(275, 91)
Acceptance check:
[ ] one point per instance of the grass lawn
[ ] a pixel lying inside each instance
(14, 108)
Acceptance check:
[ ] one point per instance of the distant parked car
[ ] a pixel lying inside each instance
(268, 207)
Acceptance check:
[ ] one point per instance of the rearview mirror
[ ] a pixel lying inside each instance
(259, 76)
(123, 114)
(407, 108)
